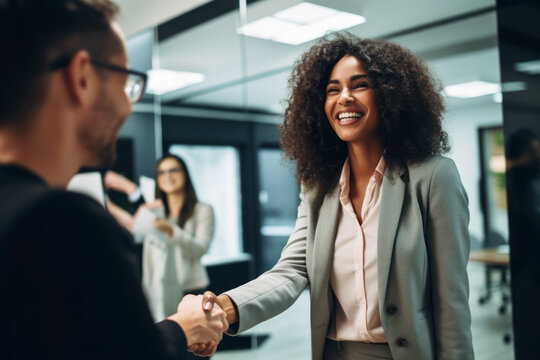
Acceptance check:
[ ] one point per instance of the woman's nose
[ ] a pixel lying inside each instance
(345, 96)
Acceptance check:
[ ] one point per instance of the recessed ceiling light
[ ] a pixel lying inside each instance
(305, 13)
(529, 67)
(514, 86)
(161, 81)
(472, 89)
(340, 21)
(267, 28)
(301, 23)
(300, 35)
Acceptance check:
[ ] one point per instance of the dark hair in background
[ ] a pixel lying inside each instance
(519, 143)
(34, 33)
(191, 198)
(408, 98)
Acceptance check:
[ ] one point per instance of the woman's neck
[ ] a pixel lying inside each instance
(175, 202)
(363, 158)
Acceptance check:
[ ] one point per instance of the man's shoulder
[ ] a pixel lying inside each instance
(29, 205)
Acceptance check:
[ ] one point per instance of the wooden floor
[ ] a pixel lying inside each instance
(290, 339)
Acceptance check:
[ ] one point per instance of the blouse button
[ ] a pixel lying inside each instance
(391, 309)
(401, 342)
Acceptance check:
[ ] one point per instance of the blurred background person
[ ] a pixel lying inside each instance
(181, 233)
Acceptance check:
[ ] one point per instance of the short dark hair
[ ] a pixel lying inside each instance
(33, 33)
(408, 98)
(519, 143)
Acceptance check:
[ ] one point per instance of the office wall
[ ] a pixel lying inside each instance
(462, 126)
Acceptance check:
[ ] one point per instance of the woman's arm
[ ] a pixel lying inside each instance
(448, 248)
(123, 217)
(196, 245)
(275, 290)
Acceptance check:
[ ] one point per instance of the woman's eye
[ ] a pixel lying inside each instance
(361, 85)
(332, 90)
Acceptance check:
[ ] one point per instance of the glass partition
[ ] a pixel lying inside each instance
(240, 73)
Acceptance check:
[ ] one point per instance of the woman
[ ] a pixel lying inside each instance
(172, 254)
(381, 236)
(172, 260)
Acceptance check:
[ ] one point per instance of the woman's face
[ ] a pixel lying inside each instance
(350, 102)
(170, 176)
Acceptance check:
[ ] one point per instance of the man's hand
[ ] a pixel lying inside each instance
(224, 302)
(201, 327)
(117, 182)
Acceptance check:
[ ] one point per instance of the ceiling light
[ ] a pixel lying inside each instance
(472, 89)
(514, 86)
(161, 81)
(267, 28)
(301, 23)
(300, 35)
(340, 21)
(529, 67)
(305, 13)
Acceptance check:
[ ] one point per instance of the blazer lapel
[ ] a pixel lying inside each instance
(323, 243)
(393, 192)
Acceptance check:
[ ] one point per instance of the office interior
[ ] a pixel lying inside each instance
(224, 124)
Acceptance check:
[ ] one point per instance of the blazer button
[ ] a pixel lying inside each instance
(401, 342)
(391, 309)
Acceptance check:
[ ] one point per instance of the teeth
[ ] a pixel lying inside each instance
(349, 115)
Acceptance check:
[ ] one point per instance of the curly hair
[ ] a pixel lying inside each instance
(408, 98)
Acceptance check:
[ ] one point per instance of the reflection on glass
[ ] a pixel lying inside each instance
(278, 200)
(215, 171)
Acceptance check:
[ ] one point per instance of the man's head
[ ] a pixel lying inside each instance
(67, 47)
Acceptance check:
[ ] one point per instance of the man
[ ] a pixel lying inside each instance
(68, 284)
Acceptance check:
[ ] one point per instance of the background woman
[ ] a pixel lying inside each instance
(172, 254)
(172, 262)
(381, 236)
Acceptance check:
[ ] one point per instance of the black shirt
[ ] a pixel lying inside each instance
(68, 280)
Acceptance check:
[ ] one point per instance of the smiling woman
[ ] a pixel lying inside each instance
(409, 103)
(381, 233)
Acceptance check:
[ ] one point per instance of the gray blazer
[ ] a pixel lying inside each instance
(423, 249)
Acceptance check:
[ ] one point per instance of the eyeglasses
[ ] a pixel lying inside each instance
(135, 84)
(174, 170)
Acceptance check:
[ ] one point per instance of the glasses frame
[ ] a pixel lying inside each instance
(64, 61)
(174, 170)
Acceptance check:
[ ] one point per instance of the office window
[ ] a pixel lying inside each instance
(215, 172)
(493, 186)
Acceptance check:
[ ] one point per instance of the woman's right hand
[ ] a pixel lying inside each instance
(164, 226)
(152, 205)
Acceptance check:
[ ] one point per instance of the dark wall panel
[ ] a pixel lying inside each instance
(519, 43)
(139, 128)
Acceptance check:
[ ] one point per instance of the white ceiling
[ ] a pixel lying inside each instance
(137, 15)
(460, 51)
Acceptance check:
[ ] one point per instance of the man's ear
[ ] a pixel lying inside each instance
(80, 76)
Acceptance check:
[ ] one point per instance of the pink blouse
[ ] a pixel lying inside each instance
(354, 270)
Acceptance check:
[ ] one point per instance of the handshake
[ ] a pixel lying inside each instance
(204, 320)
